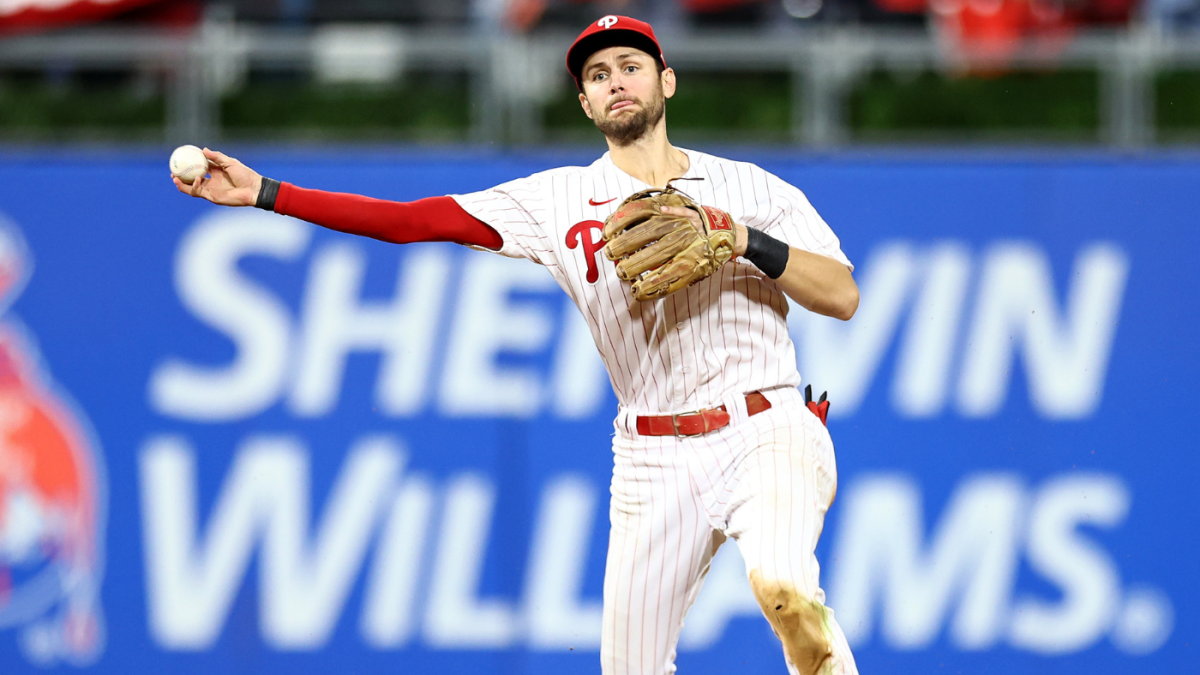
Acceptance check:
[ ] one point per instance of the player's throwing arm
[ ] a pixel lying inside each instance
(231, 183)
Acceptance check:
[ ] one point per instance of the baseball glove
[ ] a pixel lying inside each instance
(661, 254)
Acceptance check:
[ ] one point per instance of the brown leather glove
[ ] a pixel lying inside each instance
(659, 253)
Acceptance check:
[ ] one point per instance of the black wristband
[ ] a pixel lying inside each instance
(267, 194)
(766, 252)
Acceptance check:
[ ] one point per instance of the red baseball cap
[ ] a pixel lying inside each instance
(611, 31)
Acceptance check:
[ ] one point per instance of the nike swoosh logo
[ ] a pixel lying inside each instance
(593, 202)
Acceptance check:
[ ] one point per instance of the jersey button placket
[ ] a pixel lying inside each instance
(681, 363)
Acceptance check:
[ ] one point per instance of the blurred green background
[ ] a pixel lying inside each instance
(1120, 73)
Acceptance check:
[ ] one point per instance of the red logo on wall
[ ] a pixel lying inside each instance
(51, 495)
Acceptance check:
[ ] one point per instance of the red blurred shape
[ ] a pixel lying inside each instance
(30, 15)
(902, 6)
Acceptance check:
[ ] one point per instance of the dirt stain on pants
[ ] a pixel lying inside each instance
(798, 621)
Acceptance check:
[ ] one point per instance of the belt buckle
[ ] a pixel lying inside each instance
(675, 423)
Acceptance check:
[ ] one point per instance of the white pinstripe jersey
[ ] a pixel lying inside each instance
(690, 350)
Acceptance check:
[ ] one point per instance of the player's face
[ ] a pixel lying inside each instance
(624, 93)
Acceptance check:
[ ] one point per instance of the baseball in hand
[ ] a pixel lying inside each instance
(188, 163)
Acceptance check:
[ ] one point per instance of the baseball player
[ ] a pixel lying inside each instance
(713, 439)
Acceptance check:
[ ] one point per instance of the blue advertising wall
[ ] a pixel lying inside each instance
(235, 442)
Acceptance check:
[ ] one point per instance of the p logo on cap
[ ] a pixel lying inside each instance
(609, 31)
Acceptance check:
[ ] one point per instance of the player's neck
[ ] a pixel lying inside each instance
(651, 159)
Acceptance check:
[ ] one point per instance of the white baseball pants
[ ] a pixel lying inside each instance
(765, 481)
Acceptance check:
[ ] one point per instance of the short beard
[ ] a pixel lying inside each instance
(627, 130)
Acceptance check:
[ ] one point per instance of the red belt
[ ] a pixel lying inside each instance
(699, 422)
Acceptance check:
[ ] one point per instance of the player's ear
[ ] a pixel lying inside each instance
(587, 107)
(668, 82)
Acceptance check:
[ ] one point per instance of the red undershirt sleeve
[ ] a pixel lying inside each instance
(431, 219)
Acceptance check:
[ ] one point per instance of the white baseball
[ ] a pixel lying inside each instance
(188, 163)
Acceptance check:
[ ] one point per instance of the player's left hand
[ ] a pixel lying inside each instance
(739, 230)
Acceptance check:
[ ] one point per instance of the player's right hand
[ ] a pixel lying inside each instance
(229, 183)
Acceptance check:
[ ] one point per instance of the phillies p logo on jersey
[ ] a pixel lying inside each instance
(579, 235)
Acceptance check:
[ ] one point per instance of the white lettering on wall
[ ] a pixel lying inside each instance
(843, 357)
(193, 573)
(554, 613)
(956, 341)
(1084, 572)
(337, 322)
(212, 288)
(488, 322)
(191, 578)
(457, 618)
(972, 556)
(886, 574)
(928, 346)
(1066, 352)
(305, 584)
(390, 615)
